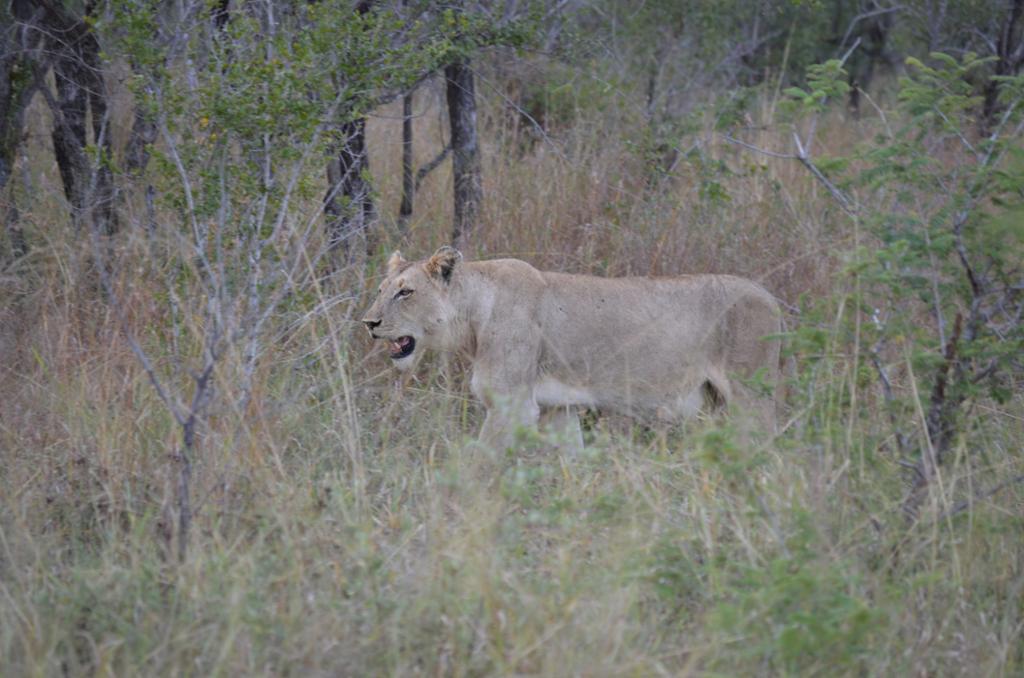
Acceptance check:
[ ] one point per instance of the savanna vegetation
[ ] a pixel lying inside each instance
(207, 469)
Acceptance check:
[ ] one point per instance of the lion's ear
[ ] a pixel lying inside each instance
(443, 262)
(395, 262)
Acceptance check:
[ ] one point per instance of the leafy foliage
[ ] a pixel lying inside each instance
(954, 252)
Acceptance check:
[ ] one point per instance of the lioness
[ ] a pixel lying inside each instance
(653, 347)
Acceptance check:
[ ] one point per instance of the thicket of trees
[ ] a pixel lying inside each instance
(75, 55)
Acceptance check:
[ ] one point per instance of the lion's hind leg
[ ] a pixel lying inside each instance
(713, 398)
(754, 410)
(751, 410)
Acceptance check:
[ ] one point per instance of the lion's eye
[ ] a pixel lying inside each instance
(402, 294)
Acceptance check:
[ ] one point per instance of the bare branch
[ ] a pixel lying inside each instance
(423, 171)
(844, 201)
(140, 354)
(849, 52)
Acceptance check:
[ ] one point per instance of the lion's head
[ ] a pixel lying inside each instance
(413, 310)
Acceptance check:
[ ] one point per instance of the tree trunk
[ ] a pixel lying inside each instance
(136, 158)
(874, 33)
(349, 200)
(88, 183)
(408, 184)
(1009, 59)
(220, 13)
(143, 135)
(69, 131)
(468, 189)
(17, 84)
(20, 76)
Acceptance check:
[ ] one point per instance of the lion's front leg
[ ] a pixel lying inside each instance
(508, 396)
(503, 418)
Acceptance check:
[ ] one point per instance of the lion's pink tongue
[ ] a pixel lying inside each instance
(401, 344)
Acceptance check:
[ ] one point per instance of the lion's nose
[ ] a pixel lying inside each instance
(371, 324)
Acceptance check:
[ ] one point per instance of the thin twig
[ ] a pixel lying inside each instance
(901, 440)
(758, 149)
(962, 506)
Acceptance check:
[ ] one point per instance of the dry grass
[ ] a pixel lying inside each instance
(346, 527)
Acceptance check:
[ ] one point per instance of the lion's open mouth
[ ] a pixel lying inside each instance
(402, 347)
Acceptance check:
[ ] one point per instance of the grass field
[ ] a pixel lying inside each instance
(347, 524)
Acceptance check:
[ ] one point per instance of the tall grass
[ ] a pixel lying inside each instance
(346, 524)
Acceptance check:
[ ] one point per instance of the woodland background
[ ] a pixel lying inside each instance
(206, 468)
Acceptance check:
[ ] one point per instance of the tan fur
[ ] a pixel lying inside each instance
(650, 347)
(395, 262)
